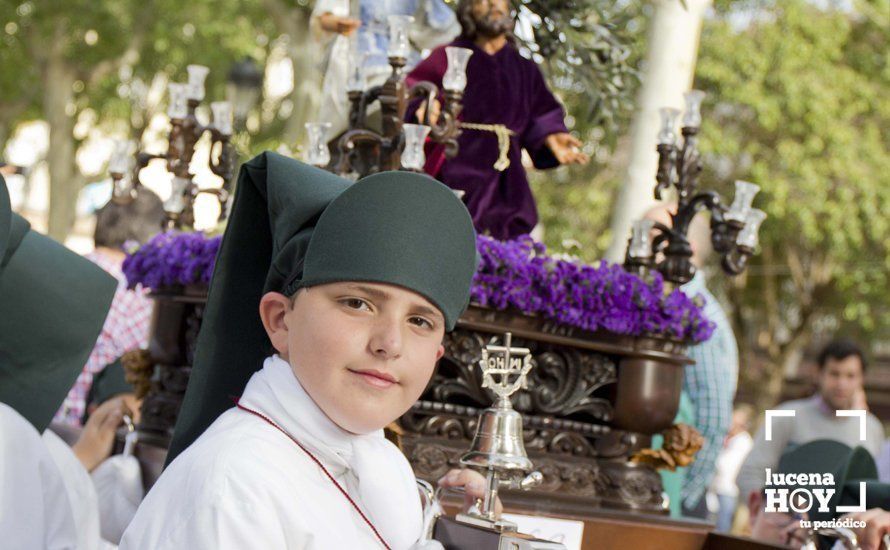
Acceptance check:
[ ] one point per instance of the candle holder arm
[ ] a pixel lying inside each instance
(347, 146)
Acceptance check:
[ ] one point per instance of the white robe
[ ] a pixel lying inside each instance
(118, 482)
(244, 484)
(35, 512)
(80, 489)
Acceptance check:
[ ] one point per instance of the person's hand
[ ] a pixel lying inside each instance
(130, 402)
(474, 486)
(133, 405)
(97, 438)
(340, 25)
(793, 534)
(877, 527)
(566, 148)
(435, 111)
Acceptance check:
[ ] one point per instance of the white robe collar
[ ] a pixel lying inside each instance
(387, 488)
(276, 392)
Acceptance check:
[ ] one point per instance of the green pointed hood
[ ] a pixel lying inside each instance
(53, 304)
(295, 226)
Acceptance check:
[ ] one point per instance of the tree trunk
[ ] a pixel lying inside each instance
(64, 176)
(5, 132)
(304, 59)
(307, 81)
(669, 70)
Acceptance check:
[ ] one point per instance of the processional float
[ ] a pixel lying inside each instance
(570, 431)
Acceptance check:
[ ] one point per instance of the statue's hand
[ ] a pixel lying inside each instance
(566, 148)
(340, 25)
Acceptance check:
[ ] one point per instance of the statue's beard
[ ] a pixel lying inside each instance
(493, 26)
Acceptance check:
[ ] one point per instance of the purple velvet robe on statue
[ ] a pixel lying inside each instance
(504, 88)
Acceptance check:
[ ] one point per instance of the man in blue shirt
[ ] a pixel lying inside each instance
(711, 382)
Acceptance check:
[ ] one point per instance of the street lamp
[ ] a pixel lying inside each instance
(243, 89)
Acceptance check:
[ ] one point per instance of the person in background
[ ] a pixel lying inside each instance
(107, 487)
(711, 382)
(126, 327)
(54, 305)
(736, 447)
(848, 466)
(883, 459)
(111, 383)
(884, 463)
(117, 478)
(842, 366)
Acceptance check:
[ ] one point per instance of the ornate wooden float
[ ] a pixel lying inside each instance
(594, 399)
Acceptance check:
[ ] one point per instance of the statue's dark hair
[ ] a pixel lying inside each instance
(468, 25)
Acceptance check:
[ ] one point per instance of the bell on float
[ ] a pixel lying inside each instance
(498, 441)
(497, 444)
(499, 453)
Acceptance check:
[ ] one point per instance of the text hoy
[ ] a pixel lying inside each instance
(800, 500)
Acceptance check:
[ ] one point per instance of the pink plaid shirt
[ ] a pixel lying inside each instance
(125, 329)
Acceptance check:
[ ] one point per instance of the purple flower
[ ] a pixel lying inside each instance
(172, 259)
(519, 275)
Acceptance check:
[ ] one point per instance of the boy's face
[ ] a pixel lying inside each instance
(364, 352)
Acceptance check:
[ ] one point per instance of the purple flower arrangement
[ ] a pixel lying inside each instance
(512, 275)
(172, 259)
(519, 275)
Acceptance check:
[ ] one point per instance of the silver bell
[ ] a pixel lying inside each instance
(498, 442)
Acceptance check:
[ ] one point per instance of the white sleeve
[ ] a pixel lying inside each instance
(730, 461)
(34, 508)
(231, 524)
(80, 489)
(118, 483)
(337, 7)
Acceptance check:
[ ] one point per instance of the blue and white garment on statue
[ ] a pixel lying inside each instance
(434, 24)
(437, 27)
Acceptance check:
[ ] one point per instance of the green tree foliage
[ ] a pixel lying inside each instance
(64, 61)
(591, 51)
(94, 60)
(798, 103)
(590, 48)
